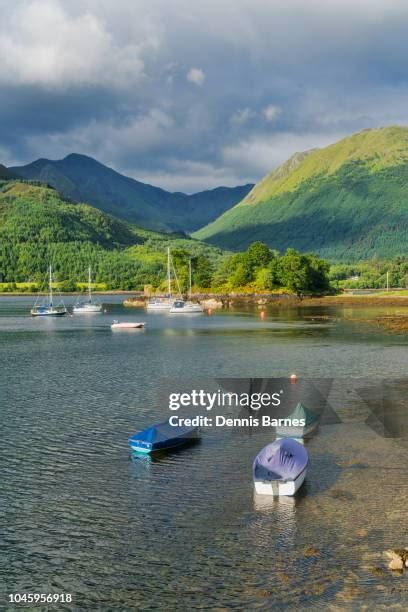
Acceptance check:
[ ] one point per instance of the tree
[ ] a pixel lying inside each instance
(303, 274)
(258, 255)
(202, 271)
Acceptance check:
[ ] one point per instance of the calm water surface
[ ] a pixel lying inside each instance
(183, 530)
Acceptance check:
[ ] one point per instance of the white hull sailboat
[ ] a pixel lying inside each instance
(182, 307)
(47, 308)
(158, 304)
(89, 307)
(186, 306)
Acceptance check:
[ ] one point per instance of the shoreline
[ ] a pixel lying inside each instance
(284, 300)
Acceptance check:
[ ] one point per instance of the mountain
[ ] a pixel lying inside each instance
(348, 201)
(32, 213)
(38, 226)
(84, 179)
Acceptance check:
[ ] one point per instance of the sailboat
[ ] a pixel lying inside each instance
(47, 308)
(158, 304)
(88, 307)
(186, 307)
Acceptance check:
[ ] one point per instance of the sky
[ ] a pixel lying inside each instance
(190, 95)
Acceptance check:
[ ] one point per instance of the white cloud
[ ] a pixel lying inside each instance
(116, 80)
(271, 112)
(196, 75)
(258, 155)
(41, 44)
(190, 176)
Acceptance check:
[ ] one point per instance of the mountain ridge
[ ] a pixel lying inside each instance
(347, 201)
(84, 179)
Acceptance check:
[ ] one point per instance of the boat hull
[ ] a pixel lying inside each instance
(127, 325)
(51, 313)
(280, 487)
(140, 446)
(87, 310)
(186, 308)
(158, 306)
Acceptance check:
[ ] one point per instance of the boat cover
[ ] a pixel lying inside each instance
(283, 459)
(163, 432)
(301, 412)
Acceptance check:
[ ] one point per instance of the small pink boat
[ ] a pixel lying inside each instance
(127, 325)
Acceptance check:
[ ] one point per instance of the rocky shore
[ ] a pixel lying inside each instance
(231, 300)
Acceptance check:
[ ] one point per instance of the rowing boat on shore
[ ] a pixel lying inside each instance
(280, 468)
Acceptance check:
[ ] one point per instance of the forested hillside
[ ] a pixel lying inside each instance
(83, 179)
(347, 202)
(39, 227)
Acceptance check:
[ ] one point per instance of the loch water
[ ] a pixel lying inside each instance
(183, 530)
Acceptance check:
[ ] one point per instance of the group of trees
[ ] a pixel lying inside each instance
(258, 268)
(38, 227)
(264, 269)
(370, 274)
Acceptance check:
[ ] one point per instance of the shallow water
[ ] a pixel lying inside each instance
(184, 530)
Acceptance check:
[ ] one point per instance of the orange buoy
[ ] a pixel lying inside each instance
(293, 378)
(262, 314)
(210, 311)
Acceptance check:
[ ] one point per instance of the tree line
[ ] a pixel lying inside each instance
(259, 268)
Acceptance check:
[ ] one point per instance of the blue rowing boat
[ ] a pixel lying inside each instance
(162, 437)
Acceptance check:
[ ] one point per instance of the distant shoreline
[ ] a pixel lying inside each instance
(287, 300)
(135, 298)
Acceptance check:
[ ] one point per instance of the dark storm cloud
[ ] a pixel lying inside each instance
(192, 95)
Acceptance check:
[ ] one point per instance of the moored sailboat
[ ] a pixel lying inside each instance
(162, 304)
(186, 306)
(47, 308)
(90, 306)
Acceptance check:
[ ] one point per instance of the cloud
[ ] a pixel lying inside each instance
(196, 75)
(119, 81)
(271, 112)
(190, 176)
(41, 44)
(258, 155)
(110, 141)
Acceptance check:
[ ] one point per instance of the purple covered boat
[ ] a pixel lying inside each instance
(280, 468)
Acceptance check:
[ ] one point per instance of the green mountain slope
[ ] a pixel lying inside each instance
(38, 227)
(83, 179)
(348, 201)
(37, 213)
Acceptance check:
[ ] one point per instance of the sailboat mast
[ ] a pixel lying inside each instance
(50, 286)
(168, 271)
(189, 270)
(89, 284)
